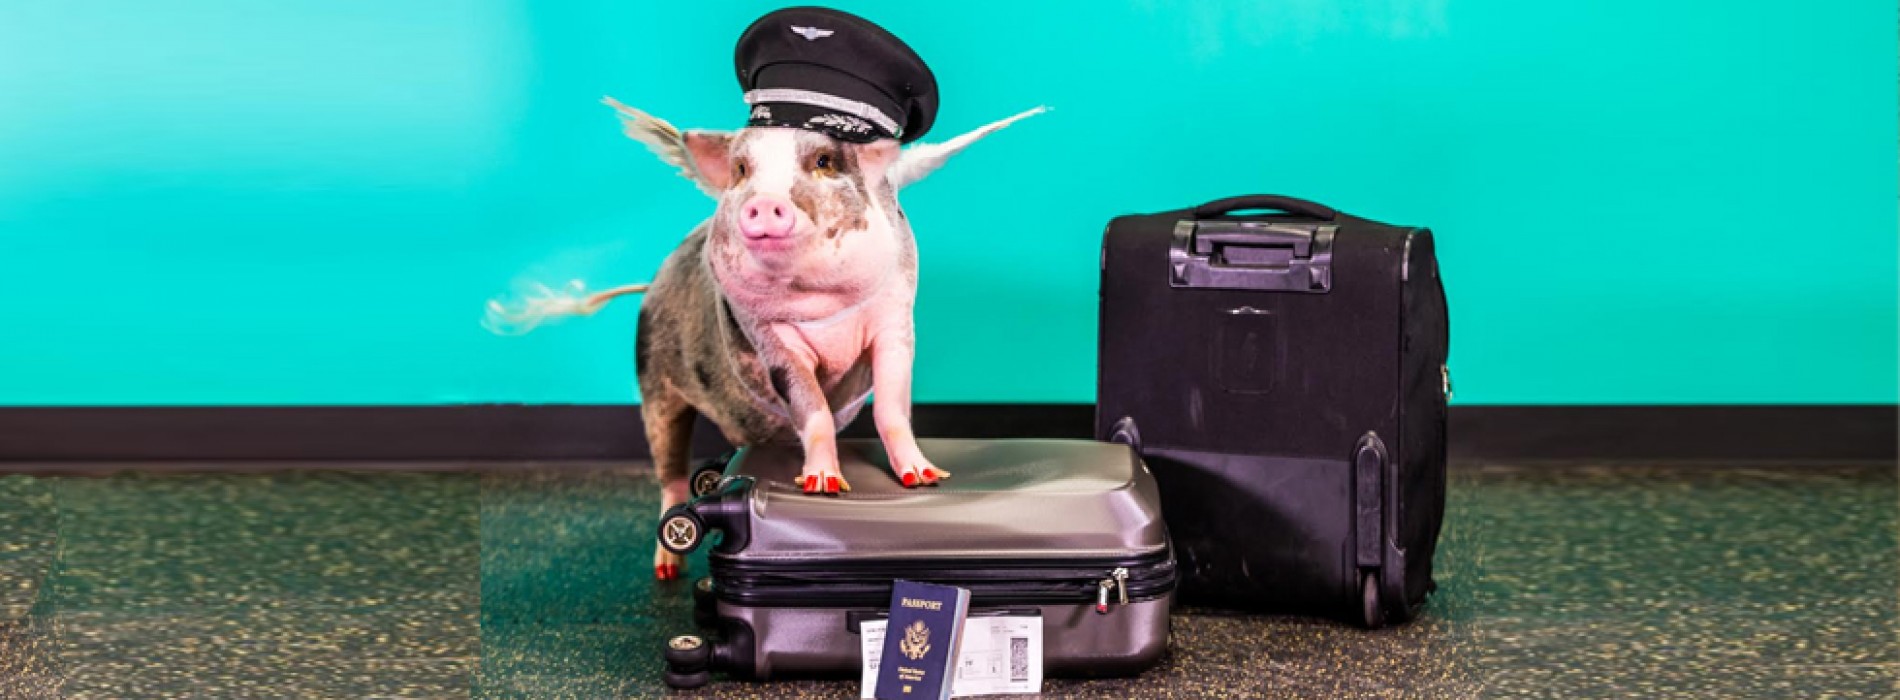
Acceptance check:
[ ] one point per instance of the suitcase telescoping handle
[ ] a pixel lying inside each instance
(1289, 205)
(1214, 251)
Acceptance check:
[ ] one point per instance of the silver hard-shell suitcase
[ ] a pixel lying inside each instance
(1068, 530)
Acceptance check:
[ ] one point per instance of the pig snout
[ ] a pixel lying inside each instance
(765, 218)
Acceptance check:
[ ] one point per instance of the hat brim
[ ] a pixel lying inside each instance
(819, 98)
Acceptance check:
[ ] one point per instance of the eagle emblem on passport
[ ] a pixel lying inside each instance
(918, 653)
(916, 641)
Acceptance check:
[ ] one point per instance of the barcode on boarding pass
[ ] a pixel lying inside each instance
(1019, 659)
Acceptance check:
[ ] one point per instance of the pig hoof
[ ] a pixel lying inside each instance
(823, 482)
(667, 566)
(932, 475)
(910, 479)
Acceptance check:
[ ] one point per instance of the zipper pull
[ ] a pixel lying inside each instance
(1117, 581)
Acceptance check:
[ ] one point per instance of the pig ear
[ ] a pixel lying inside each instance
(700, 155)
(921, 159)
(877, 157)
(712, 159)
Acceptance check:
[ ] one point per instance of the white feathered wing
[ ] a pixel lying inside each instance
(920, 160)
(665, 140)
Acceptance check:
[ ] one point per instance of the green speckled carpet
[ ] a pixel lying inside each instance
(535, 583)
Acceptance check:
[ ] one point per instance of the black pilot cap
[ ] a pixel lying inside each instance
(834, 72)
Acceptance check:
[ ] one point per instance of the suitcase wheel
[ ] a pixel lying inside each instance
(1126, 433)
(681, 530)
(705, 606)
(686, 681)
(688, 652)
(1369, 599)
(706, 478)
(688, 661)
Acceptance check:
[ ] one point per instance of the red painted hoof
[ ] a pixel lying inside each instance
(811, 484)
(910, 479)
(831, 484)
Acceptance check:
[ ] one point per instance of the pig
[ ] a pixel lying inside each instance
(779, 316)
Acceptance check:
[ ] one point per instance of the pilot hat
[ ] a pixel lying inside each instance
(825, 70)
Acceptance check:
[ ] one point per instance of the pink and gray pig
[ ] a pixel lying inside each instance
(779, 316)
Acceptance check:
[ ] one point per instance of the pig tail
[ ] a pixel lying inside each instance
(542, 305)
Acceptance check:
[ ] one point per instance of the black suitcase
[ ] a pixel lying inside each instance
(1066, 530)
(1284, 376)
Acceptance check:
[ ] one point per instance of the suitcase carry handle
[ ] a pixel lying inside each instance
(1289, 205)
(1209, 251)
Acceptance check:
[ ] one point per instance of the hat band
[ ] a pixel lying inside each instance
(831, 102)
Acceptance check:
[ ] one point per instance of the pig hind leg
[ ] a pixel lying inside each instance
(669, 425)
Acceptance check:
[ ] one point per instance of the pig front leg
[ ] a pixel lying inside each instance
(797, 383)
(893, 351)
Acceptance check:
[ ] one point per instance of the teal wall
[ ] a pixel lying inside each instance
(303, 202)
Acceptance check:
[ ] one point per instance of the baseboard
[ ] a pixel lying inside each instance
(485, 432)
(1734, 433)
(609, 432)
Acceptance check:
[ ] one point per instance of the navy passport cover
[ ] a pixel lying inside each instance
(920, 641)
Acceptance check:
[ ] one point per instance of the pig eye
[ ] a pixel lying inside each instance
(824, 164)
(739, 169)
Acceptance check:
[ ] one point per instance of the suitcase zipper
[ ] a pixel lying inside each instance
(1117, 580)
(1011, 568)
(832, 588)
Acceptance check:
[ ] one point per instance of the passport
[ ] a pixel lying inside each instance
(920, 641)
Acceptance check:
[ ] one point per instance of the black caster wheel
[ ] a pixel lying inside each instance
(1369, 600)
(688, 662)
(705, 606)
(706, 478)
(686, 681)
(1126, 433)
(687, 653)
(681, 530)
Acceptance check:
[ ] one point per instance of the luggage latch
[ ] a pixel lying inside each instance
(1253, 255)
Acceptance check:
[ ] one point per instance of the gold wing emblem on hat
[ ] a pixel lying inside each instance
(916, 642)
